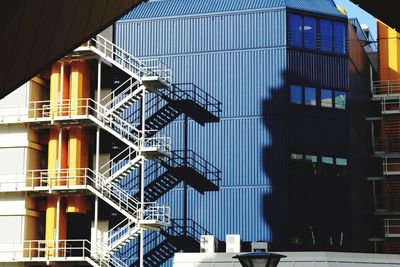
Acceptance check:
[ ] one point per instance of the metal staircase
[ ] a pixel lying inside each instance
(174, 239)
(180, 166)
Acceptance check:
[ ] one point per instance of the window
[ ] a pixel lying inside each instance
(326, 98)
(296, 156)
(296, 36)
(310, 33)
(325, 27)
(309, 96)
(303, 32)
(340, 100)
(341, 162)
(327, 160)
(311, 158)
(339, 37)
(296, 96)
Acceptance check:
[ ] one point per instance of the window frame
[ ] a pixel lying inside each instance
(318, 20)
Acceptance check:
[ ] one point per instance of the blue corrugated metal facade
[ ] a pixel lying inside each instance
(237, 52)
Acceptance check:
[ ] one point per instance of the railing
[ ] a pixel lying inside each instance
(392, 227)
(390, 166)
(157, 213)
(387, 203)
(36, 250)
(121, 231)
(78, 108)
(63, 179)
(193, 229)
(195, 161)
(177, 159)
(391, 105)
(386, 87)
(144, 67)
(119, 161)
(127, 88)
(189, 91)
(55, 250)
(386, 145)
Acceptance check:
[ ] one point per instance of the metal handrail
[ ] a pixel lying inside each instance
(139, 67)
(390, 225)
(119, 161)
(383, 144)
(126, 88)
(60, 179)
(386, 87)
(86, 107)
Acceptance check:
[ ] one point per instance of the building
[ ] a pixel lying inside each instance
(65, 149)
(266, 103)
(385, 138)
(292, 145)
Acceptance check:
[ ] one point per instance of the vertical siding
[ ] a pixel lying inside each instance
(240, 59)
(323, 70)
(158, 37)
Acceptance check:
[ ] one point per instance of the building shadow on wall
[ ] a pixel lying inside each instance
(314, 201)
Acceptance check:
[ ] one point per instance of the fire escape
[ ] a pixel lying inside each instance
(386, 146)
(180, 167)
(144, 77)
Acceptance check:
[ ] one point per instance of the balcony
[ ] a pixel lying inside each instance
(385, 89)
(387, 204)
(392, 227)
(386, 145)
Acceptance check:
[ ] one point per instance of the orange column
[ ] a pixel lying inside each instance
(56, 159)
(78, 145)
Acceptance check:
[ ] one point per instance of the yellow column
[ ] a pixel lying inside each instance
(56, 158)
(78, 142)
(388, 53)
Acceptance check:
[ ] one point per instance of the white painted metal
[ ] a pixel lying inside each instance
(207, 243)
(233, 243)
(392, 227)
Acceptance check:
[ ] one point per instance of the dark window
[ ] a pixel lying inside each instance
(325, 27)
(340, 100)
(309, 96)
(339, 37)
(310, 33)
(326, 98)
(296, 96)
(296, 38)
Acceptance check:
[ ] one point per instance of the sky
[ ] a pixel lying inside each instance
(354, 11)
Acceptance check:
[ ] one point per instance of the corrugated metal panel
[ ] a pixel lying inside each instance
(326, 7)
(324, 70)
(222, 213)
(237, 153)
(203, 34)
(179, 8)
(159, 9)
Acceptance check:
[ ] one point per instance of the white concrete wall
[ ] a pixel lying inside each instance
(102, 235)
(294, 259)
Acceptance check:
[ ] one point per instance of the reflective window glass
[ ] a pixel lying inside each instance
(296, 156)
(341, 161)
(340, 100)
(325, 27)
(310, 96)
(339, 37)
(326, 98)
(295, 32)
(296, 94)
(310, 32)
(327, 160)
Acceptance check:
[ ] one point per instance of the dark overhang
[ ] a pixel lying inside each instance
(36, 33)
(384, 10)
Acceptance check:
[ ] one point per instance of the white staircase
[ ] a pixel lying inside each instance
(128, 159)
(121, 234)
